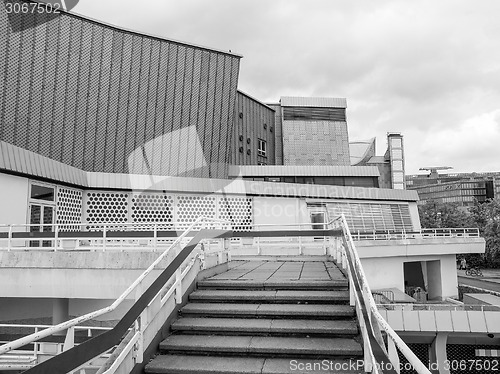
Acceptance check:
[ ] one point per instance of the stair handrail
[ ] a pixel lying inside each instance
(78, 320)
(356, 272)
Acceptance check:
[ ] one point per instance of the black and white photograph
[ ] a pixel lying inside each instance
(249, 187)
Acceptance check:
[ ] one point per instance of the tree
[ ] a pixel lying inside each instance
(486, 217)
(443, 215)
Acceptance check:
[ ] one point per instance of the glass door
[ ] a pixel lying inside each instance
(41, 219)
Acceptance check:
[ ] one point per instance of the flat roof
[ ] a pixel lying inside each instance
(314, 102)
(16, 160)
(303, 170)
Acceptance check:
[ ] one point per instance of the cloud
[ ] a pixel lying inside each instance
(426, 69)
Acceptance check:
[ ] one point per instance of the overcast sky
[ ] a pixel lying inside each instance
(427, 69)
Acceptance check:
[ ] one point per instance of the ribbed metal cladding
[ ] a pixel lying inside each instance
(313, 114)
(108, 100)
(253, 120)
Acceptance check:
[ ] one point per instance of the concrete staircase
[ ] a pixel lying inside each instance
(288, 322)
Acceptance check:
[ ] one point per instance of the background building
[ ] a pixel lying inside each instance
(461, 188)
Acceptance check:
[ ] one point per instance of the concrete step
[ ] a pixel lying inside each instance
(264, 346)
(187, 364)
(316, 311)
(275, 327)
(270, 296)
(245, 284)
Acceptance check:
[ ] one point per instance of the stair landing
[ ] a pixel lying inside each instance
(265, 317)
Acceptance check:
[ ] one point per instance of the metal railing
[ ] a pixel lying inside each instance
(91, 236)
(77, 355)
(379, 357)
(419, 234)
(380, 349)
(27, 358)
(158, 236)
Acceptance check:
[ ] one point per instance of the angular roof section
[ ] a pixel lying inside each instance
(256, 100)
(303, 170)
(20, 161)
(123, 29)
(314, 102)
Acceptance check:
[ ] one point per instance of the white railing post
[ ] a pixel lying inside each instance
(104, 238)
(69, 341)
(9, 241)
(300, 246)
(178, 278)
(258, 245)
(393, 355)
(155, 237)
(56, 237)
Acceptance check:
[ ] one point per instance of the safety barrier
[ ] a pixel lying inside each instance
(128, 335)
(133, 323)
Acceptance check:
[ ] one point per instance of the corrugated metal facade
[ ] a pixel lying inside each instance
(278, 133)
(103, 99)
(253, 120)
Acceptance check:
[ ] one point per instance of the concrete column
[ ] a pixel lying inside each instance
(438, 356)
(60, 310)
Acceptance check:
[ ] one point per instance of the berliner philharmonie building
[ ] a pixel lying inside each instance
(107, 132)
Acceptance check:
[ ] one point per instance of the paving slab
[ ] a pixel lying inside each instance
(296, 326)
(189, 364)
(268, 346)
(245, 326)
(325, 366)
(305, 346)
(206, 343)
(220, 309)
(309, 310)
(283, 296)
(222, 325)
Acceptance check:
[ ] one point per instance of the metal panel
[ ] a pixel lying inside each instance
(427, 320)
(443, 320)
(411, 321)
(140, 164)
(102, 150)
(160, 107)
(129, 139)
(477, 321)
(318, 102)
(119, 160)
(460, 321)
(395, 319)
(492, 322)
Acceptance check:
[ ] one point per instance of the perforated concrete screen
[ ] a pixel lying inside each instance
(158, 208)
(237, 210)
(166, 209)
(69, 209)
(373, 217)
(189, 208)
(106, 207)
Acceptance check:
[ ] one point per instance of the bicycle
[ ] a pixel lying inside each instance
(474, 272)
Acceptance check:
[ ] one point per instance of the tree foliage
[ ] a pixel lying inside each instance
(449, 215)
(485, 216)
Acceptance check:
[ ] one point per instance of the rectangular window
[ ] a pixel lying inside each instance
(262, 148)
(40, 192)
